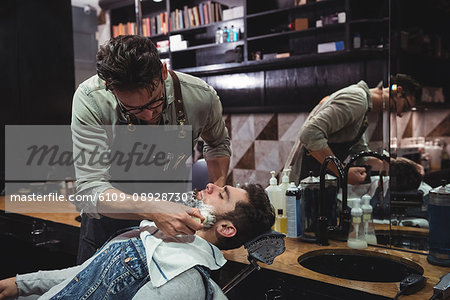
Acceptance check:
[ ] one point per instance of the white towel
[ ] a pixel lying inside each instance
(168, 257)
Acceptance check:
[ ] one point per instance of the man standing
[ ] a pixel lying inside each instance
(337, 124)
(133, 87)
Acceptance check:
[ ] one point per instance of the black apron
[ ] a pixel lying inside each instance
(95, 232)
(340, 150)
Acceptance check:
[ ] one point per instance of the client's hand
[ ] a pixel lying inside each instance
(174, 219)
(8, 289)
(356, 175)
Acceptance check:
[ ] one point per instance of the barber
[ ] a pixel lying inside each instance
(337, 125)
(133, 87)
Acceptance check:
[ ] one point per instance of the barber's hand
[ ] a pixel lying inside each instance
(420, 169)
(356, 175)
(174, 219)
(8, 288)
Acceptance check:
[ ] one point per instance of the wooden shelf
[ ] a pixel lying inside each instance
(289, 62)
(208, 46)
(360, 21)
(297, 32)
(287, 9)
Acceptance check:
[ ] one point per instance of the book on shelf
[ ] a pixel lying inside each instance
(115, 30)
(200, 10)
(191, 17)
(205, 13)
(187, 22)
(124, 29)
(196, 16)
(153, 26)
(158, 24)
(181, 19)
(176, 20)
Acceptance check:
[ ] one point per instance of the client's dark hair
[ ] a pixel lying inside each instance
(403, 175)
(411, 87)
(129, 62)
(250, 218)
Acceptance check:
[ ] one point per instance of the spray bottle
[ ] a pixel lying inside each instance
(369, 230)
(356, 239)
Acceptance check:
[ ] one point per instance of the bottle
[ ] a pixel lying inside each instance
(226, 35)
(219, 36)
(281, 222)
(234, 34)
(356, 41)
(274, 192)
(284, 186)
(369, 229)
(356, 239)
(294, 225)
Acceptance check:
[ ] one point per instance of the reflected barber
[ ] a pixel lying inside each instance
(337, 125)
(133, 87)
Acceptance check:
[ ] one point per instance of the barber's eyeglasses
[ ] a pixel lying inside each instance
(151, 105)
(403, 95)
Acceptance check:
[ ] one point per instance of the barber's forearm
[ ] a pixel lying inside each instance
(320, 156)
(218, 169)
(116, 204)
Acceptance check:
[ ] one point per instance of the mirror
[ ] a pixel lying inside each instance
(419, 47)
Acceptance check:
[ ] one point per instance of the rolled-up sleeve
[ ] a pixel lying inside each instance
(89, 138)
(215, 133)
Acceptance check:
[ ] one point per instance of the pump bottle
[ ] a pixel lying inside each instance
(356, 239)
(284, 186)
(274, 192)
(369, 230)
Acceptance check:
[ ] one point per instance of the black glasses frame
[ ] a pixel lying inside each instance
(140, 109)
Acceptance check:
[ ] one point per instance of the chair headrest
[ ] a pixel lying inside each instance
(266, 246)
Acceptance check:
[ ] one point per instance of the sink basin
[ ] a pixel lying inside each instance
(359, 265)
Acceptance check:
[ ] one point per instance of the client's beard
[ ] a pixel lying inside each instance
(206, 210)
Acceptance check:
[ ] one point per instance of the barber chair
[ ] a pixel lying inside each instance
(200, 176)
(263, 248)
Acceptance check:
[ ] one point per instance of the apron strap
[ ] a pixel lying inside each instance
(179, 106)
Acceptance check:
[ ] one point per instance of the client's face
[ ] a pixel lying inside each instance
(221, 199)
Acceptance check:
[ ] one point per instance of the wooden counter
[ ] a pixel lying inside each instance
(67, 218)
(287, 263)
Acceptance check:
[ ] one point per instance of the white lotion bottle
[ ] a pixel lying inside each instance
(369, 229)
(356, 239)
(274, 192)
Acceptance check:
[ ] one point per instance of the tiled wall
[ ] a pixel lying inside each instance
(262, 142)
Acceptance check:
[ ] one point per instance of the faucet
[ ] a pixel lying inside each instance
(322, 220)
(345, 217)
(351, 161)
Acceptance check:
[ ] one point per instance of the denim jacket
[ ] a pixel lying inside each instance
(117, 271)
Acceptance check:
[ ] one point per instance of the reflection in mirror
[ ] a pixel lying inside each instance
(419, 47)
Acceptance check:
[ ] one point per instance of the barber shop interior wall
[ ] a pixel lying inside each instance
(262, 142)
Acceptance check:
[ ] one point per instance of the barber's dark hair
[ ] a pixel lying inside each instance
(411, 87)
(129, 62)
(403, 175)
(251, 218)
